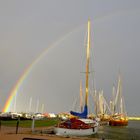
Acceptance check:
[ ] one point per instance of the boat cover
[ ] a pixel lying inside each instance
(82, 114)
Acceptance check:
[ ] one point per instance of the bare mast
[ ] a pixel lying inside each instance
(87, 64)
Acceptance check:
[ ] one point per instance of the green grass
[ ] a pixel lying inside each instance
(28, 123)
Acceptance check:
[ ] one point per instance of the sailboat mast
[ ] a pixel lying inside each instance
(87, 63)
(81, 97)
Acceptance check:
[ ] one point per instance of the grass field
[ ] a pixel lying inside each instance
(28, 123)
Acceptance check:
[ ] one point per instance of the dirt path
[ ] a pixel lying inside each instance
(9, 133)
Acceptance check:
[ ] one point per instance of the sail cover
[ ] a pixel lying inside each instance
(82, 114)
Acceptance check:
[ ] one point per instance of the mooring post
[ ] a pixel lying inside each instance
(33, 124)
(17, 124)
(0, 123)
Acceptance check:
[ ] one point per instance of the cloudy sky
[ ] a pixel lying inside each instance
(28, 28)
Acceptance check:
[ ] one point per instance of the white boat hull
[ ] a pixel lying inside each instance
(75, 132)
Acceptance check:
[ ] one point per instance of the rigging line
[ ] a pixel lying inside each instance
(83, 55)
(74, 104)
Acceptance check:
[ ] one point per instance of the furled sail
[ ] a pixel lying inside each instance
(82, 114)
(85, 111)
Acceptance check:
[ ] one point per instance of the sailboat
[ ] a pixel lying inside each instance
(119, 116)
(104, 109)
(80, 125)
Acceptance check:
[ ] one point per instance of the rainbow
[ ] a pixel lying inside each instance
(30, 67)
(27, 71)
(15, 89)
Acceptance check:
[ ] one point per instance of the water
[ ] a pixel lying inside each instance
(130, 132)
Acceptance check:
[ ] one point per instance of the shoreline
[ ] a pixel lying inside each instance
(7, 133)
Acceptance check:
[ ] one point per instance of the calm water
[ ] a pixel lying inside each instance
(130, 132)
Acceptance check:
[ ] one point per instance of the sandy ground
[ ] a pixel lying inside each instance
(9, 133)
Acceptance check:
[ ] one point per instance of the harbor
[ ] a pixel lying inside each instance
(69, 70)
(105, 132)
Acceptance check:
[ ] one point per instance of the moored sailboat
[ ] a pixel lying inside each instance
(81, 125)
(119, 116)
(104, 110)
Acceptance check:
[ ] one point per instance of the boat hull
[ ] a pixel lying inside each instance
(118, 122)
(75, 132)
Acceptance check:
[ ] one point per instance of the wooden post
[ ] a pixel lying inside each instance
(33, 124)
(17, 124)
(0, 123)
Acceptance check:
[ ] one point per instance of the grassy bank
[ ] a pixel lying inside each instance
(28, 123)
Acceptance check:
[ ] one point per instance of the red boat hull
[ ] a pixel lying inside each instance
(118, 122)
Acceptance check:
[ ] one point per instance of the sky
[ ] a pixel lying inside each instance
(46, 39)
